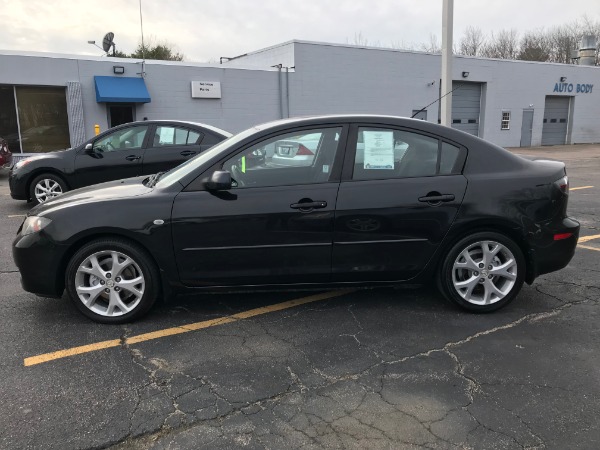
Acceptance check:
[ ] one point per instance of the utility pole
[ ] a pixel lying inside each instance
(446, 85)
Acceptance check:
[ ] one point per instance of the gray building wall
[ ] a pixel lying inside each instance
(328, 78)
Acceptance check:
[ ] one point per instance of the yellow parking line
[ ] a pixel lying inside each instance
(39, 359)
(587, 247)
(580, 187)
(10, 216)
(588, 238)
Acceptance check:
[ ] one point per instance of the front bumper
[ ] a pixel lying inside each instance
(37, 259)
(548, 255)
(18, 187)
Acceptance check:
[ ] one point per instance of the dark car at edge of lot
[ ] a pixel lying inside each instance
(132, 149)
(450, 207)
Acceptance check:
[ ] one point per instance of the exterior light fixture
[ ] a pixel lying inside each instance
(563, 79)
(118, 70)
(465, 74)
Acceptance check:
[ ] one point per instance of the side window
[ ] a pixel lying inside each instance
(448, 159)
(387, 153)
(126, 138)
(300, 157)
(167, 135)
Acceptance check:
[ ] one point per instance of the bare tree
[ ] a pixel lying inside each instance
(433, 46)
(535, 46)
(472, 42)
(504, 45)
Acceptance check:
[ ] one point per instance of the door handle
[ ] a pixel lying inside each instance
(437, 198)
(187, 153)
(309, 205)
(132, 158)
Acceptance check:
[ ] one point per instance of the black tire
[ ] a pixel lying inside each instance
(52, 179)
(470, 300)
(143, 264)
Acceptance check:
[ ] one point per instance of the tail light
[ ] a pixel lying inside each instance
(563, 185)
(302, 150)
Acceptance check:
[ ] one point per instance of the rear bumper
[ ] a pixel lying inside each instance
(36, 258)
(548, 255)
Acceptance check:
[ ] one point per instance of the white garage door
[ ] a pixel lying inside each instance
(466, 106)
(556, 119)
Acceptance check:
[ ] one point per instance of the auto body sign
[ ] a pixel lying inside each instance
(578, 88)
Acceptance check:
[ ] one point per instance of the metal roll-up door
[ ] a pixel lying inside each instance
(556, 120)
(466, 106)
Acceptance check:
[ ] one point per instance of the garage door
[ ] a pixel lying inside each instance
(466, 101)
(556, 119)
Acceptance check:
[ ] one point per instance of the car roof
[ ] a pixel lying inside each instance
(184, 122)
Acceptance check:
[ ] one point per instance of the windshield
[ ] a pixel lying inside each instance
(179, 172)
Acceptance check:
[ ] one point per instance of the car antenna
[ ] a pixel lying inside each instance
(436, 100)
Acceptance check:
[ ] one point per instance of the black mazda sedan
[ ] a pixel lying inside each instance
(137, 148)
(384, 200)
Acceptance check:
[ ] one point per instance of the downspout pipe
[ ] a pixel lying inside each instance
(287, 90)
(279, 67)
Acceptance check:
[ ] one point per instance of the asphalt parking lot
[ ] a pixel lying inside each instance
(381, 368)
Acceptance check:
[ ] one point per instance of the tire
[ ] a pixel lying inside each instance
(91, 281)
(45, 187)
(464, 281)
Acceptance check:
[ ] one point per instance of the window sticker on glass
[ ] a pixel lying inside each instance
(379, 149)
(166, 135)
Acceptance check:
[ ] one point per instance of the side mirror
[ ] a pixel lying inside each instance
(89, 148)
(220, 180)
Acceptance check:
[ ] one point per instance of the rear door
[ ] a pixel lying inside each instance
(171, 145)
(399, 195)
(114, 156)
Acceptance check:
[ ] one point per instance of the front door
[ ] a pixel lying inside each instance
(275, 226)
(397, 200)
(114, 156)
(120, 114)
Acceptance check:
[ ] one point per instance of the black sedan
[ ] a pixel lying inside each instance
(449, 206)
(137, 148)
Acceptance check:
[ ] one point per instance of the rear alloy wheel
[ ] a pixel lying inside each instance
(112, 281)
(483, 272)
(46, 187)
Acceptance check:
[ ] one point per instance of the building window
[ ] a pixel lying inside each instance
(505, 124)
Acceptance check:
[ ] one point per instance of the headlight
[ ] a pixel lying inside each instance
(23, 162)
(34, 224)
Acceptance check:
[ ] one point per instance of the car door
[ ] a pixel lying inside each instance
(113, 156)
(275, 226)
(399, 195)
(170, 145)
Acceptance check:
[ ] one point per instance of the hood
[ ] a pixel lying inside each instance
(111, 191)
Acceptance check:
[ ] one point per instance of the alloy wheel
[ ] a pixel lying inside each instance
(109, 283)
(46, 189)
(484, 272)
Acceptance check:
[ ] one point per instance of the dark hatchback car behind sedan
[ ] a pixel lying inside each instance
(450, 207)
(137, 148)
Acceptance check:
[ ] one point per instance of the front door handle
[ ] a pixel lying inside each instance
(437, 198)
(187, 153)
(308, 205)
(132, 158)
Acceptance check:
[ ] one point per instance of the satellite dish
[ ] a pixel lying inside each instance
(107, 42)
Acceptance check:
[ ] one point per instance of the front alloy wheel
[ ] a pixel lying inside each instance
(46, 187)
(483, 272)
(112, 281)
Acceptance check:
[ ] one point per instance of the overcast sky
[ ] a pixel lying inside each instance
(204, 30)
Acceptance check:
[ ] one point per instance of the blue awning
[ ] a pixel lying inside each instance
(121, 90)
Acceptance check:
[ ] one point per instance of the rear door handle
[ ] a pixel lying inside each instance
(437, 198)
(132, 158)
(309, 205)
(187, 153)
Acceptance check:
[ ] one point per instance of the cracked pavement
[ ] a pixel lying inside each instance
(381, 368)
